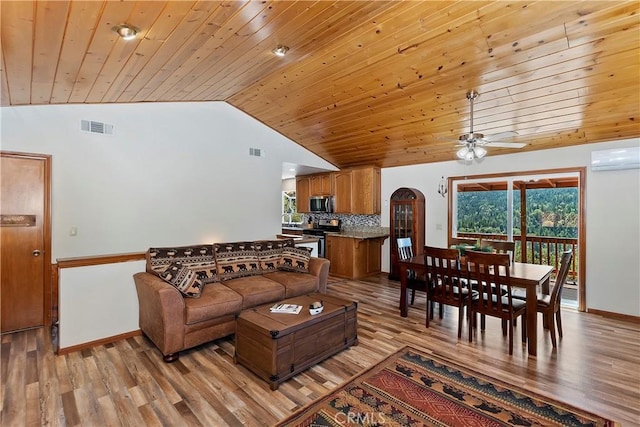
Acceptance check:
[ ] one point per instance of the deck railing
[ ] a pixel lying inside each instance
(539, 250)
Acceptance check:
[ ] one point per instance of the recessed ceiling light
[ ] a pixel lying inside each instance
(280, 50)
(127, 32)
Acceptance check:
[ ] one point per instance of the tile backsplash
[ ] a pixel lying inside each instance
(348, 220)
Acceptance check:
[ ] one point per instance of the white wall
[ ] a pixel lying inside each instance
(171, 174)
(97, 302)
(612, 216)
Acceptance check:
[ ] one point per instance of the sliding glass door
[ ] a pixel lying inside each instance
(540, 212)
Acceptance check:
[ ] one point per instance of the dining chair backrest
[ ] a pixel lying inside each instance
(443, 270)
(561, 277)
(462, 241)
(491, 270)
(405, 249)
(502, 247)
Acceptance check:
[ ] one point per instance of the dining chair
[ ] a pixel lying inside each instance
(501, 247)
(491, 270)
(549, 305)
(462, 241)
(443, 272)
(405, 251)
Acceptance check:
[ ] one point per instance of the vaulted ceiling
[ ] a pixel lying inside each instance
(364, 82)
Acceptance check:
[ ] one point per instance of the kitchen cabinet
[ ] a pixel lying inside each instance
(357, 191)
(354, 191)
(406, 219)
(365, 191)
(321, 184)
(354, 258)
(342, 192)
(303, 191)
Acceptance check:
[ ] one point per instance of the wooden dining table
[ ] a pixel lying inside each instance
(523, 275)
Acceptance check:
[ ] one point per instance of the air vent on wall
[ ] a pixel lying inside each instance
(256, 152)
(96, 127)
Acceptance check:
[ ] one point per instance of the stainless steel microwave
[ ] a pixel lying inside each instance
(321, 204)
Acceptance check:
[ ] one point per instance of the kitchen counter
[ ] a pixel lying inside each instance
(298, 239)
(362, 234)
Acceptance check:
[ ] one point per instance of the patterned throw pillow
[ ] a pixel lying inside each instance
(183, 279)
(198, 258)
(236, 259)
(270, 253)
(295, 259)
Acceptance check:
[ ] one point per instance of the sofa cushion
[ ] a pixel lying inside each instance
(295, 284)
(183, 279)
(236, 259)
(198, 258)
(216, 301)
(270, 253)
(256, 290)
(295, 259)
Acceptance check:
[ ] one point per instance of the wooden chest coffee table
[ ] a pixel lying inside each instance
(277, 346)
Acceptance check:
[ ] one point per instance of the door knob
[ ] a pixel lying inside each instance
(36, 253)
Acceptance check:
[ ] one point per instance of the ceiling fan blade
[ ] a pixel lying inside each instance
(501, 135)
(506, 144)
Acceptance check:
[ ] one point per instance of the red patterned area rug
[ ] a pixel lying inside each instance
(414, 389)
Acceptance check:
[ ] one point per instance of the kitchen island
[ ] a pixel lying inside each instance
(356, 253)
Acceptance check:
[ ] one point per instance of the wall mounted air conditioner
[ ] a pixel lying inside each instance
(617, 158)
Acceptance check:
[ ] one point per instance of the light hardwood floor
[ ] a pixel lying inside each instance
(596, 367)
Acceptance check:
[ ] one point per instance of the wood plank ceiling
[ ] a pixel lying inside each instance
(364, 82)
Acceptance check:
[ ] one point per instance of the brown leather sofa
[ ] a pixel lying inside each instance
(175, 322)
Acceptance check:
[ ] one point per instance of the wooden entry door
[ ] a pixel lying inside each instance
(24, 236)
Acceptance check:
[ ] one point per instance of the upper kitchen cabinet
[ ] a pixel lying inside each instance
(321, 184)
(303, 192)
(365, 191)
(354, 191)
(357, 191)
(342, 191)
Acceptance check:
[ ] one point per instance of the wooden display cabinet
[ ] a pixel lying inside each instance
(406, 219)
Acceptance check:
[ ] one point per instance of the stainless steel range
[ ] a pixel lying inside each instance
(320, 229)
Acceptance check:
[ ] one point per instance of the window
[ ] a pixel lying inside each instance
(482, 208)
(290, 213)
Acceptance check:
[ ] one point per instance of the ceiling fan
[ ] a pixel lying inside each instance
(472, 144)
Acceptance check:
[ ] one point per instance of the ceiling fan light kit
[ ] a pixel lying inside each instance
(469, 153)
